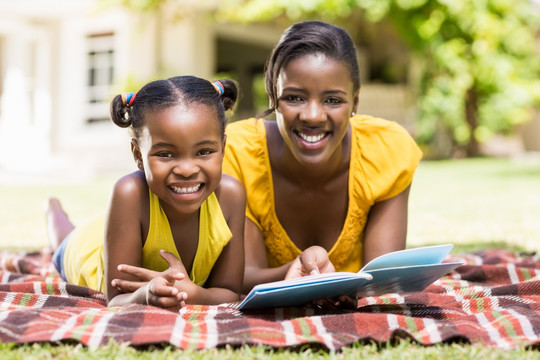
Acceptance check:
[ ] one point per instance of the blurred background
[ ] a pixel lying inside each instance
(463, 76)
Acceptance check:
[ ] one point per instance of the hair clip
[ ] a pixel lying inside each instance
(219, 87)
(128, 98)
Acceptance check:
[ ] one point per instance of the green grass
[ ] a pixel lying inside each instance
(474, 204)
(480, 202)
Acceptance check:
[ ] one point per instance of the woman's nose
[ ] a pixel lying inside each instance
(313, 112)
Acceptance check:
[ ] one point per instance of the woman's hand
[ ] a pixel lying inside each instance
(313, 260)
(337, 303)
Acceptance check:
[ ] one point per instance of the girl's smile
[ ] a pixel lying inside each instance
(182, 152)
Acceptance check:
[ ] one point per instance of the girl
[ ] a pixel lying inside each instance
(177, 216)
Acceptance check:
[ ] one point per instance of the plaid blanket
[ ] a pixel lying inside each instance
(494, 299)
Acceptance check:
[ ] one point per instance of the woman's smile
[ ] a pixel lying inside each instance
(310, 140)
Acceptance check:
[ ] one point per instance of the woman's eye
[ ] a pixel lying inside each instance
(292, 98)
(334, 101)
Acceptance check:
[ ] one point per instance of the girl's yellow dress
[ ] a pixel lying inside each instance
(83, 257)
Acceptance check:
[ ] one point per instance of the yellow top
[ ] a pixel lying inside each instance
(83, 259)
(384, 158)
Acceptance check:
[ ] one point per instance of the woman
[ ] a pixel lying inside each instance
(326, 189)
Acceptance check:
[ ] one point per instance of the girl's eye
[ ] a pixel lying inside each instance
(164, 155)
(205, 152)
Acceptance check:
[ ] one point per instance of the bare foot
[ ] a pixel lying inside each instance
(58, 223)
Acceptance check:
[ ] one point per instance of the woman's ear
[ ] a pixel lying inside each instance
(224, 144)
(355, 104)
(137, 155)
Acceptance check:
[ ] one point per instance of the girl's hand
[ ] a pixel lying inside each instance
(313, 260)
(145, 275)
(128, 286)
(160, 291)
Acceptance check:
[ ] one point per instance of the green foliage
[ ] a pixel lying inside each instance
(481, 74)
(136, 5)
(484, 48)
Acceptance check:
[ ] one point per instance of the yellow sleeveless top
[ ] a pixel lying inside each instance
(83, 259)
(384, 158)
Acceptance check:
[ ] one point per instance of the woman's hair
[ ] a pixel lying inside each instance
(309, 38)
(157, 95)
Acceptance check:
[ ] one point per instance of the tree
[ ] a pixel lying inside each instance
(480, 65)
(480, 70)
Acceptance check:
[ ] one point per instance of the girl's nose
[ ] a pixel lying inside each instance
(186, 168)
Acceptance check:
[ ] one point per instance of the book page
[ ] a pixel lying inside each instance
(408, 257)
(310, 279)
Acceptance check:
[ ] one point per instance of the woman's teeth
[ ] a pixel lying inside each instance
(186, 190)
(311, 138)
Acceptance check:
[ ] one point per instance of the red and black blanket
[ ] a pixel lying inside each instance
(494, 300)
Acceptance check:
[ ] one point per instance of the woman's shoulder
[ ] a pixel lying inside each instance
(251, 129)
(385, 156)
(372, 135)
(246, 149)
(366, 125)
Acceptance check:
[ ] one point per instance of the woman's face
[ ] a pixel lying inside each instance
(315, 100)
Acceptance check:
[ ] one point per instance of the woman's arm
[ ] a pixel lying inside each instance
(256, 268)
(386, 227)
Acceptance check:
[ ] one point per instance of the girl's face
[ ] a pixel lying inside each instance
(182, 152)
(315, 100)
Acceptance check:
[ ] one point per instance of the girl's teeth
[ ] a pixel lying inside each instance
(311, 139)
(185, 190)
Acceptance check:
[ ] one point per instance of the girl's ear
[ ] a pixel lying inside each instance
(137, 155)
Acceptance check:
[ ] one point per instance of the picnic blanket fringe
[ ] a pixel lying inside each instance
(494, 299)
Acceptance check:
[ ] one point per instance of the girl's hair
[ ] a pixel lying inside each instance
(308, 38)
(179, 90)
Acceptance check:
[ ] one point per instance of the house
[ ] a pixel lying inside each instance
(62, 61)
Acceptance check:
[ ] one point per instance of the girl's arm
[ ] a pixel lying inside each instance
(386, 227)
(123, 241)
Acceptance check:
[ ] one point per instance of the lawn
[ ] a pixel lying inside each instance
(474, 204)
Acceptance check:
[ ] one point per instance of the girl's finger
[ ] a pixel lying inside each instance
(139, 272)
(127, 286)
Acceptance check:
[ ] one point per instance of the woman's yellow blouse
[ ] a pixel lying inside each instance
(384, 158)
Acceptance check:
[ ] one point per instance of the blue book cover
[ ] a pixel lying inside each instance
(396, 272)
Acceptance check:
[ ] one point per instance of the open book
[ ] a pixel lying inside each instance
(396, 272)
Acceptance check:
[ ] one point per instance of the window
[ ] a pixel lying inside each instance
(100, 75)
